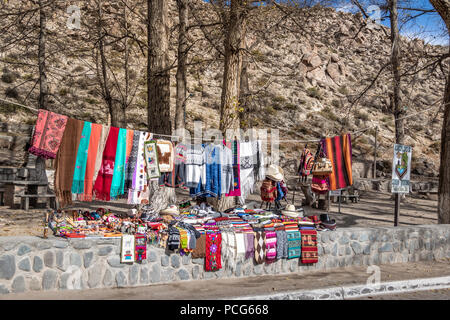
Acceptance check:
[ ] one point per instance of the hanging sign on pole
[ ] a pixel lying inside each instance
(401, 169)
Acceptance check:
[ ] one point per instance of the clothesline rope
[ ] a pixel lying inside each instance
(291, 141)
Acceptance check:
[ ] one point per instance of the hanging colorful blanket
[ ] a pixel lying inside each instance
(234, 146)
(102, 186)
(48, 134)
(282, 244)
(81, 160)
(270, 240)
(151, 160)
(294, 244)
(213, 251)
(339, 150)
(260, 247)
(249, 245)
(309, 246)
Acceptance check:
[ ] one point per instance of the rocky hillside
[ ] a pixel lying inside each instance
(306, 70)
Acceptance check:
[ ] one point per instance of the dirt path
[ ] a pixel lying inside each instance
(374, 209)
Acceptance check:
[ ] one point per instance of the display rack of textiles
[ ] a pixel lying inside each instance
(97, 162)
(198, 230)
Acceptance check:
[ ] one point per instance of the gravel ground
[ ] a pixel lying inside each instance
(373, 209)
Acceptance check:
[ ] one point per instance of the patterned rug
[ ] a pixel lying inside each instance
(309, 246)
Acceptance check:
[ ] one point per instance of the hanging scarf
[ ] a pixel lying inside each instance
(294, 244)
(101, 147)
(132, 160)
(118, 180)
(247, 178)
(130, 136)
(151, 160)
(259, 247)
(139, 176)
(258, 160)
(234, 146)
(48, 134)
(102, 186)
(309, 246)
(270, 241)
(249, 245)
(80, 163)
(96, 130)
(213, 251)
(65, 161)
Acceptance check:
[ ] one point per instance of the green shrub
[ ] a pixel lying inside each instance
(7, 78)
(343, 90)
(336, 103)
(12, 93)
(314, 92)
(364, 116)
(327, 113)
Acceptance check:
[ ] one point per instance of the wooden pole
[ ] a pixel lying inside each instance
(374, 172)
(397, 209)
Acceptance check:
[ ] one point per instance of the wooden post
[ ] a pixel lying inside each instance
(374, 172)
(397, 209)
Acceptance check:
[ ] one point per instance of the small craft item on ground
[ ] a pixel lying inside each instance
(140, 247)
(290, 211)
(127, 253)
(327, 223)
(170, 210)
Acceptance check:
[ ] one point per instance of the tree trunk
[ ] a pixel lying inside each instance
(158, 85)
(40, 166)
(235, 27)
(158, 77)
(395, 98)
(234, 41)
(244, 117)
(116, 110)
(180, 110)
(443, 8)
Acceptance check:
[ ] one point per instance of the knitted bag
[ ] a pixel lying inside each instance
(268, 191)
(306, 163)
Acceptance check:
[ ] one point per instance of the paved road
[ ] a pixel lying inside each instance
(240, 287)
(419, 295)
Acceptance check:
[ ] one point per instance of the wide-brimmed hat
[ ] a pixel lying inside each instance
(290, 211)
(171, 210)
(274, 173)
(327, 222)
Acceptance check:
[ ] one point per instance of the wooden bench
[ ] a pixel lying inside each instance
(25, 200)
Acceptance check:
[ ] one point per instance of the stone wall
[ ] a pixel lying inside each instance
(31, 263)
